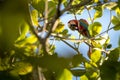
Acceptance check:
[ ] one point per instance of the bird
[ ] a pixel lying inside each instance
(81, 26)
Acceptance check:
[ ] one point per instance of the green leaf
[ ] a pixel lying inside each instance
(114, 54)
(78, 72)
(23, 68)
(65, 75)
(59, 28)
(24, 28)
(117, 10)
(51, 8)
(110, 5)
(95, 55)
(98, 12)
(84, 77)
(39, 5)
(77, 60)
(12, 14)
(76, 2)
(34, 15)
(95, 28)
(108, 70)
(29, 40)
(95, 1)
(116, 21)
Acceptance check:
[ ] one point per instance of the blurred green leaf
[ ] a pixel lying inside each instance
(95, 28)
(116, 21)
(108, 70)
(59, 28)
(64, 75)
(110, 5)
(52, 8)
(23, 68)
(39, 5)
(109, 46)
(34, 14)
(114, 54)
(13, 13)
(77, 60)
(23, 29)
(95, 55)
(84, 77)
(76, 2)
(117, 10)
(98, 12)
(78, 72)
(96, 1)
(29, 40)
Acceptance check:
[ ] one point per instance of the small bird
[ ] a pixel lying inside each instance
(81, 26)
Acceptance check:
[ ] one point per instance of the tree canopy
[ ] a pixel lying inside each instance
(29, 28)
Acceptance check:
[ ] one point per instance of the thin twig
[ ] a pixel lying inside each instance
(71, 46)
(46, 15)
(89, 14)
(110, 21)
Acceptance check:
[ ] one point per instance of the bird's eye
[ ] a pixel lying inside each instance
(72, 26)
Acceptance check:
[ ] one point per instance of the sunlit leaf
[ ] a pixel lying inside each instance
(96, 1)
(110, 5)
(98, 13)
(117, 10)
(90, 65)
(23, 30)
(84, 77)
(96, 44)
(34, 15)
(29, 40)
(72, 38)
(59, 28)
(95, 55)
(94, 75)
(76, 2)
(95, 28)
(65, 75)
(116, 22)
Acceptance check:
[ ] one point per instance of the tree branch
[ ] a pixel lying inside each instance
(83, 3)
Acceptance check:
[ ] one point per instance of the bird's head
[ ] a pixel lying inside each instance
(73, 24)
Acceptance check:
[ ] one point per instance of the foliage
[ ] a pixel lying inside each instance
(29, 28)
